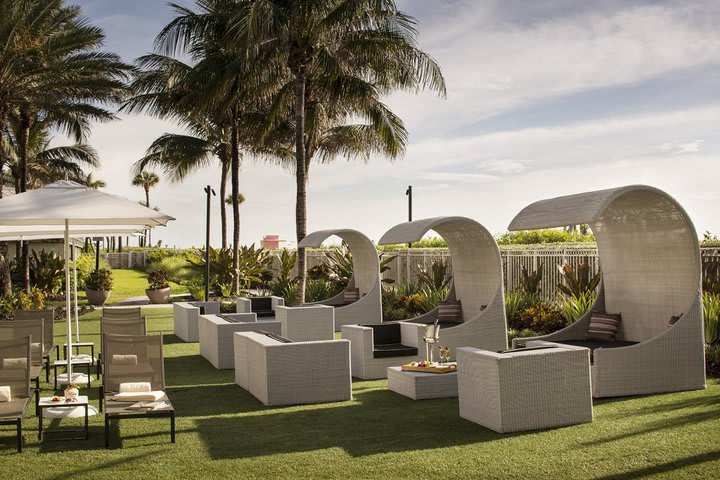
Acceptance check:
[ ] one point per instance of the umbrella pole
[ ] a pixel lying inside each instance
(68, 317)
(77, 314)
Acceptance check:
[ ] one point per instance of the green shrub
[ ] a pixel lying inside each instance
(35, 300)
(542, 317)
(196, 288)
(712, 359)
(85, 266)
(158, 279)
(711, 310)
(47, 270)
(100, 280)
(157, 255)
(318, 290)
(575, 306)
(178, 269)
(530, 280)
(512, 333)
(532, 237)
(577, 280)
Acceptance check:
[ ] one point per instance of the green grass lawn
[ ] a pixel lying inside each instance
(224, 432)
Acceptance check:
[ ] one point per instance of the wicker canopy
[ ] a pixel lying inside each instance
(477, 278)
(650, 258)
(366, 277)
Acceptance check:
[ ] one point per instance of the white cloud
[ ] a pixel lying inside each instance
(504, 166)
(679, 148)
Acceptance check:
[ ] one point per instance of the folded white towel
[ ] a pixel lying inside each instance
(15, 363)
(139, 396)
(124, 359)
(5, 394)
(137, 387)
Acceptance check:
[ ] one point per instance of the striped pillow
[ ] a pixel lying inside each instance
(350, 296)
(603, 326)
(449, 311)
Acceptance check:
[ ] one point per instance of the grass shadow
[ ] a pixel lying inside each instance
(665, 468)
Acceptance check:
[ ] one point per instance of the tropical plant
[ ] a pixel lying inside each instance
(100, 280)
(196, 288)
(221, 271)
(530, 281)
(542, 317)
(283, 285)
(711, 312)
(320, 289)
(158, 279)
(85, 265)
(92, 182)
(435, 278)
(533, 237)
(712, 359)
(711, 276)
(47, 270)
(575, 306)
(20, 300)
(577, 279)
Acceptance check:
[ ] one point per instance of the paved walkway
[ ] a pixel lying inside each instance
(144, 300)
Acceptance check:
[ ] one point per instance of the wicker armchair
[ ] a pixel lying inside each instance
(651, 271)
(307, 323)
(278, 371)
(260, 306)
(215, 334)
(185, 318)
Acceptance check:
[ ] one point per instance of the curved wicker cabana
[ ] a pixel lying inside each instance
(477, 280)
(365, 280)
(651, 266)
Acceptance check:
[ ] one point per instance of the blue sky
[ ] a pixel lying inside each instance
(545, 98)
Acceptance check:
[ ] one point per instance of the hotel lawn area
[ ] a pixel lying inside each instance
(224, 432)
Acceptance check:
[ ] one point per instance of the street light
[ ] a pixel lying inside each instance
(408, 192)
(208, 190)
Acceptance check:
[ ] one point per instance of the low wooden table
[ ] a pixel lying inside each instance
(46, 402)
(75, 363)
(120, 410)
(422, 385)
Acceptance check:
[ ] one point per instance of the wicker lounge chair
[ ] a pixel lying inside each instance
(477, 286)
(278, 371)
(651, 271)
(263, 307)
(132, 359)
(185, 318)
(215, 334)
(119, 325)
(35, 330)
(360, 302)
(15, 373)
(48, 317)
(122, 312)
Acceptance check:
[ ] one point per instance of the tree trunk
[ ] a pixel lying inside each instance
(5, 281)
(223, 195)
(301, 183)
(24, 131)
(235, 188)
(120, 244)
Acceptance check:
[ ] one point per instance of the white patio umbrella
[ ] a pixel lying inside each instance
(69, 204)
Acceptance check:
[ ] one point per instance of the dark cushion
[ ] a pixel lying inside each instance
(673, 320)
(595, 344)
(264, 313)
(385, 333)
(260, 303)
(603, 326)
(202, 309)
(350, 296)
(275, 336)
(449, 311)
(393, 350)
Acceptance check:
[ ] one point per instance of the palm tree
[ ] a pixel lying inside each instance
(347, 51)
(146, 180)
(91, 182)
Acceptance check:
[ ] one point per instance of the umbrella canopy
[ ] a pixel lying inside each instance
(46, 232)
(68, 203)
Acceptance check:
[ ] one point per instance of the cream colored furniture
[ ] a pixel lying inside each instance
(307, 323)
(421, 385)
(215, 335)
(185, 318)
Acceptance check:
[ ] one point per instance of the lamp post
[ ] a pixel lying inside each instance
(408, 192)
(208, 190)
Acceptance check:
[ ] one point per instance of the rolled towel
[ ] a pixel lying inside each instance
(5, 394)
(136, 387)
(15, 363)
(124, 359)
(139, 396)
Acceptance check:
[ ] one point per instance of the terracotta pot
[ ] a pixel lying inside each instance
(97, 297)
(158, 296)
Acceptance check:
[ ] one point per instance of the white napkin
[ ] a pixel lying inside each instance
(136, 387)
(5, 395)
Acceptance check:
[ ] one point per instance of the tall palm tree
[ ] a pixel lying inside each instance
(146, 180)
(92, 182)
(350, 51)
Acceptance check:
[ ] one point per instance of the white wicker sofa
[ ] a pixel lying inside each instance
(185, 318)
(263, 307)
(477, 284)
(365, 283)
(215, 335)
(651, 267)
(306, 323)
(278, 371)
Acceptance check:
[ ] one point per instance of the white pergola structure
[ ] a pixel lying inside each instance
(477, 281)
(651, 264)
(366, 277)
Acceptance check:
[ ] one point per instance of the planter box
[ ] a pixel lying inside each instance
(96, 297)
(158, 296)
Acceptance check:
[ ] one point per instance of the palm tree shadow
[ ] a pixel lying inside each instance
(374, 422)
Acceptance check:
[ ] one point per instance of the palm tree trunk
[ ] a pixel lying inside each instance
(5, 282)
(147, 204)
(23, 159)
(301, 182)
(223, 195)
(235, 188)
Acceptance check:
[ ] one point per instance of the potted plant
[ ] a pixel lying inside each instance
(159, 286)
(98, 286)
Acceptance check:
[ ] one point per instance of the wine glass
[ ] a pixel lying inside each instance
(443, 353)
